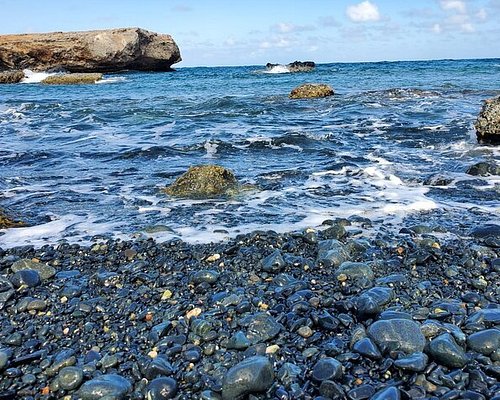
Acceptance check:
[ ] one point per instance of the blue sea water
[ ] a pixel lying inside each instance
(80, 162)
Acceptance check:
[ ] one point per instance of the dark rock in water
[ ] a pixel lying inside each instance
(485, 342)
(484, 169)
(437, 180)
(296, 66)
(372, 301)
(367, 348)
(204, 181)
(108, 386)
(253, 375)
(445, 350)
(389, 393)
(273, 263)
(91, 51)
(489, 230)
(397, 334)
(45, 271)
(26, 277)
(261, 327)
(355, 271)
(414, 362)
(162, 389)
(311, 90)
(488, 122)
(327, 368)
(70, 378)
(11, 76)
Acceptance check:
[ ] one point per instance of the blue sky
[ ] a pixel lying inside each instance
(240, 32)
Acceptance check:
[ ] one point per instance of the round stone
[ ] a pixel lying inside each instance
(111, 386)
(485, 342)
(26, 277)
(327, 368)
(305, 331)
(397, 334)
(161, 389)
(70, 377)
(253, 375)
(445, 350)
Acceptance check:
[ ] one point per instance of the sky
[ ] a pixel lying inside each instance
(243, 32)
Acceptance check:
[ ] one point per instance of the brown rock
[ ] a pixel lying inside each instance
(11, 76)
(311, 90)
(92, 51)
(488, 122)
(72, 79)
(6, 222)
(204, 181)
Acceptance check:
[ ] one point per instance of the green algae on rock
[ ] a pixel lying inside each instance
(73, 79)
(204, 181)
(311, 90)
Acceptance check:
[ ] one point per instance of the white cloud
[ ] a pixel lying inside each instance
(454, 5)
(284, 27)
(436, 28)
(278, 42)
(482, 14)
(363, 12)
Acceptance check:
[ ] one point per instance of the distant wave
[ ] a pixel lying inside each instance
(277, 69)
(35, 77)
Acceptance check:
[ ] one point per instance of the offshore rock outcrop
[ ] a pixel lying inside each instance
(92, 51)
(488, 122)
(296, 66)
(311, 90)
(11, 76)
(73, 79)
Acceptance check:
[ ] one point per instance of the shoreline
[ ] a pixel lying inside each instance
(313, 313)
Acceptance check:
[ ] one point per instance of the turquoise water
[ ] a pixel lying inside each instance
(81, 161)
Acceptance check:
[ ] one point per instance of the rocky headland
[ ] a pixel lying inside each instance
(91, 51)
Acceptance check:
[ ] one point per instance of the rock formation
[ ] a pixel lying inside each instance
(11, 76)
(92, 51)
(296, 66)
(72, 79)
(311, 90)
(6, 222)
(488, 122)
(204, 181)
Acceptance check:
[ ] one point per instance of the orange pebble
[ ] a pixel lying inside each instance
(45, 391)
(149, 317)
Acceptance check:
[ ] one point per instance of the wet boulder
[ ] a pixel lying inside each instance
(488, 122)
(311, 90)
(203, 182)
(484, 168)
(7, 222)
(72, 79)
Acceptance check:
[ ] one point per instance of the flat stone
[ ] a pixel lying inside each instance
(355, 271)
(209, 276)
(72, 79)
(45, 271)
(110, 386)
(253, 375)
(26, 277)
(445, 350)
(414, 362)
(485, 342)
(261, 328)
(397, 334)
(331, 253)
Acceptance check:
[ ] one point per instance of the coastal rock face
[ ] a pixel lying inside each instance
(7, 222)
(73, 79)
(488, 122)
(204, 181)
(11, 76)
(92, 51)
(311, 90)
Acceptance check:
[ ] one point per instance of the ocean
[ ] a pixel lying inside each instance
(88, 162)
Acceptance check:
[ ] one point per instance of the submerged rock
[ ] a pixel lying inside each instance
(91, 51)
(11, 76)
(204, 181)
(488, 122)
(311, 90)
(72, 79)
(253, 375)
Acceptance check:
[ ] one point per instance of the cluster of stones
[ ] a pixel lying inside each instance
(337, 313)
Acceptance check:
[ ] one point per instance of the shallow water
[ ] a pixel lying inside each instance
(80, 161)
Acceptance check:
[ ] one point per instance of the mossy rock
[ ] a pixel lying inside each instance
(11, 76)
(311, 90)
(204, 182)
(6, 222)
(73, 79)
